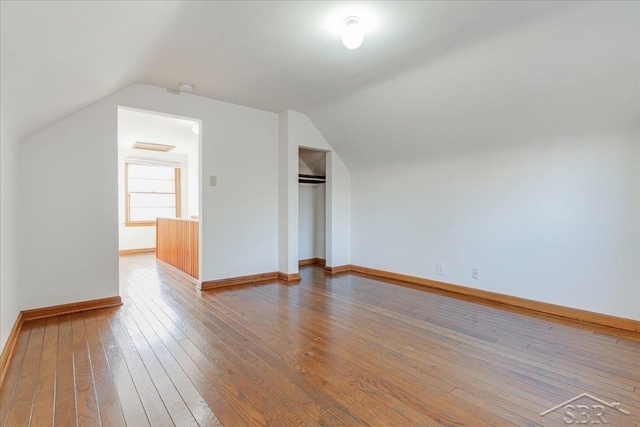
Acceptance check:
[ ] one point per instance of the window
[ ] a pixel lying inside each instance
(151, 191)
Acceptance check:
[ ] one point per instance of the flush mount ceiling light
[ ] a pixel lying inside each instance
(185, 87)
(352, 34)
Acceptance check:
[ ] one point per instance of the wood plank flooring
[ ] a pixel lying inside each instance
(346, 350)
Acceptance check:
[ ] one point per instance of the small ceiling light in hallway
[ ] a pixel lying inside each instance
(185, 87)
(352, 34)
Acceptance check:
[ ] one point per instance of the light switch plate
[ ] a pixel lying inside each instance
(213, 180)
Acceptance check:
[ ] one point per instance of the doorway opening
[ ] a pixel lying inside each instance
(159, 187)
(312, 200)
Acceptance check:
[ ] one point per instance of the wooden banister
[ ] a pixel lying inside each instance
(177, 243)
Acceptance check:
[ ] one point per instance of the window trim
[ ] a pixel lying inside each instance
(127, 196)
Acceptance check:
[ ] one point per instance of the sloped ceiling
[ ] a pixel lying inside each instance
(430, 76)
(313, 160)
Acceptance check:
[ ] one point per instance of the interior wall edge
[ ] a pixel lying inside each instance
(10, 345)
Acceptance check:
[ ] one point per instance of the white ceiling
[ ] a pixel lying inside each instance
(430, 76)
(139, 126)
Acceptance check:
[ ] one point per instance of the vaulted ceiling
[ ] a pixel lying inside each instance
(430, 77)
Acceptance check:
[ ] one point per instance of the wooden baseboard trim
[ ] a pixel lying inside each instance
(293, 277)
(42, 313)
(9, 346)
(311, 261)
(241, 280)
(136, 251)
(523, 303)
(337, 269)
(74, 307)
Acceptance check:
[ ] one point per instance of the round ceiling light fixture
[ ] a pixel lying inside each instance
(352, 35)
(185, 87)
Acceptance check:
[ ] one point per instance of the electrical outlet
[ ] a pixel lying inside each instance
(440, 270)
(475, 273)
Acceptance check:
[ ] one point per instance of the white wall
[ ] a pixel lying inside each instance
(311, 213)
(9, 304)
(192, 182)
(338, 212)
(68, 250)
(296, 130)
(287, 198)
(557, 223)
(320, 221)
(239, 222)
(306, 221)
(69, 195)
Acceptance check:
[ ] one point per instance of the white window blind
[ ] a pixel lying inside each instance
(153, 191)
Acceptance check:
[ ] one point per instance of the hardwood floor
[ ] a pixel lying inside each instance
(328, 351)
